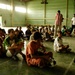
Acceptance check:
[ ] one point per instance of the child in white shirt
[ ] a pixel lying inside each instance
(58, 44)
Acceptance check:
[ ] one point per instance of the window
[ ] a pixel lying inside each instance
(4, 6)
(20, 9)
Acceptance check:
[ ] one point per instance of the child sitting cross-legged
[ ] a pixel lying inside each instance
(34, 57)
(13, 46)
(58, 44)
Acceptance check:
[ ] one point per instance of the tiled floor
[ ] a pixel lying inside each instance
(65, 64)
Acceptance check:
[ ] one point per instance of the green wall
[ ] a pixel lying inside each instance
(12, 18)
(71, 11)
(37, 13)
(19, 18)
(52, 7)
(42, 14)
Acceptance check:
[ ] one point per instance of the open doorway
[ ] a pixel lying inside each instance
(0, 21)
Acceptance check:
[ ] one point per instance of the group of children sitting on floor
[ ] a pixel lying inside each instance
(46, 32)
(13, 45)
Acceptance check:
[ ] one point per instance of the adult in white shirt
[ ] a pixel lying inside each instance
(73, 23)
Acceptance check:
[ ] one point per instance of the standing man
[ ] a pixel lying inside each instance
(73, 23)
(58, 22)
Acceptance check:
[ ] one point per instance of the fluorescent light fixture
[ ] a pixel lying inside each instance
(20, 9)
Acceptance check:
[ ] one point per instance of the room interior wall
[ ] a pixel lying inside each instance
(37, 13)
(11, 17)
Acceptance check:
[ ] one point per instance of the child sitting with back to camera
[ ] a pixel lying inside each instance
(36, 57)
(58, 44)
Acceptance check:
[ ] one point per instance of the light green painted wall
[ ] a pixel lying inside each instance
(71, 10)
(37, 11)
(12, 18)
(19, 18)
(37, 14)
(52, 7)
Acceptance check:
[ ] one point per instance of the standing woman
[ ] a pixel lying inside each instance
(58, 22)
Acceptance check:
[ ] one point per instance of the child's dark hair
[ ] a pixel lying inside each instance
(10, 30)
(33, 30)
(58, 11)
(37, 36)
(64, 27)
